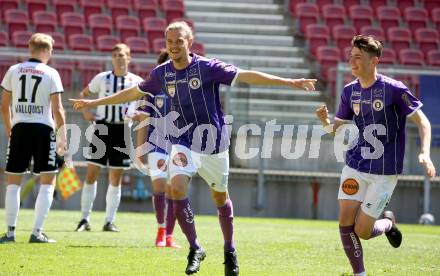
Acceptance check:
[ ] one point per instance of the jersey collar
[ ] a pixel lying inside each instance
(35, 60)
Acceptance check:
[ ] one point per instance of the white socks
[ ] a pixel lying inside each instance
(113, 199)
(42, 206)
(12, 206)
(88, 195)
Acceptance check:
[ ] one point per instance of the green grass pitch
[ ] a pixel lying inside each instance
(265, 247)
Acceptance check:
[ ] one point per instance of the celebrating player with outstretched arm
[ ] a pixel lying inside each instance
(192, 82)
(379, 103)
(32, 93)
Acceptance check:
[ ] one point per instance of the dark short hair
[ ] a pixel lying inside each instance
(367, 44)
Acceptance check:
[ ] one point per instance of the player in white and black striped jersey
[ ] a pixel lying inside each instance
(112, 117)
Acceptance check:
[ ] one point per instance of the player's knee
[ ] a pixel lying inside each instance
(178, 192)
(362, 233)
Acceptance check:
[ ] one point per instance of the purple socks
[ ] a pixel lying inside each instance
(159, 207)
(353, 248)
(170, 217)
(185, 217)
(226, 218)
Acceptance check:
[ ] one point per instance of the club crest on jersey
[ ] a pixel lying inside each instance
(356, 108)
(194, 83)
(171, 88)
(159, 102)
(378, 105)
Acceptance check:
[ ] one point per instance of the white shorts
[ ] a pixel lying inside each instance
(373, 190)
(213, 168)
(158, 165)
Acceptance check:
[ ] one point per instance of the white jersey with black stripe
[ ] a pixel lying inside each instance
(31, 84)
(106, 84)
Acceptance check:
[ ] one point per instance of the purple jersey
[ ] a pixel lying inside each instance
(385, 104)
(157, 107)
(194, 94)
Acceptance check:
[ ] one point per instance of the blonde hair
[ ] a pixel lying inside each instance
(39, 42)
(180, 25)
(122, 47)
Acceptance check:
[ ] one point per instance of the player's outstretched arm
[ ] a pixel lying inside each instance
(87, 114)
(6, 111)
(260, 78)
(123, 96)
(424, 127)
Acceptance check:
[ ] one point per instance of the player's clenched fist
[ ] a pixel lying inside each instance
(322, 114)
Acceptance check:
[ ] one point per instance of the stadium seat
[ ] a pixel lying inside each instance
(44, 21)
(346, 54)
(5, 63)
(375, 4)
(343, 35)
(60, 42)
(105, 43)
(388, 56)
(65, 68)
(100, 24)
(361, 16)
(403, 4)
(416, 18)
(349, 3)
(20, 39)
(430, 5)
(158, 44)
(328, 57)
(4, 40)
(80, 42)
(154, 28)
(73, 23)
(16, 20)
(141, 69)
(35, 5)
(316, 35)
(428, 39)
(333, 15)
(198, 48)
(376, 32)
(146, 8)
(8, 5)
(138, 45)
(88, 70)
(399, 38)
(388, 17)
(62, 6)
(306, 13)
(127, 26)
(411, 57)
(433, 58)
(173, 9)
(292, 6)
(119, 7)
(322, 3)
(435, 14)
(91, 7)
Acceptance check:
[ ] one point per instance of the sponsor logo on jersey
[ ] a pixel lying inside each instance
(350, 186)
(356, 93)
(170, 75)
(377, 93)
(366, 101)
(193, 71)
(194, 83)
(378, 105)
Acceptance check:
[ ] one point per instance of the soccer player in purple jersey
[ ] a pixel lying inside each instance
(378, 106)
(192, 82)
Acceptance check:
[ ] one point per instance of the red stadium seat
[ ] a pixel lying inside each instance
(388, 17)
(105, 43)
(306, 13)
(138, 45)
(343, 35)
(16, 20)
(62, 6)
(73, 23)
(146, 8)
(375, 4)
(154, 28)
(5, 63)
(428, 39)
(36, 5)
(333, 15)
(198, 48)
(65, 68)
(91, 7)
(81, 42)
(44, 21)
(346, 54)
(430, 5)
(60, 42)
(173, 9)
(411, 57)
(20, 39)
(88, 70)
(349, 3)
(376, 32)
(328, 57)
(416, 18)
(433, 58)
(119, 7)
(158, 44)
(388, 56)
(361, 16)
(128, 26)
(399, 38)
(4, 40)
(403, 4)
(142, 69)
(292, 5)
(8, 5)
(435, 13)
(100, 24)
(316, 35)
(322, 3)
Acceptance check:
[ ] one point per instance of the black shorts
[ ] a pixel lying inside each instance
(112, 158)
(31, 141)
